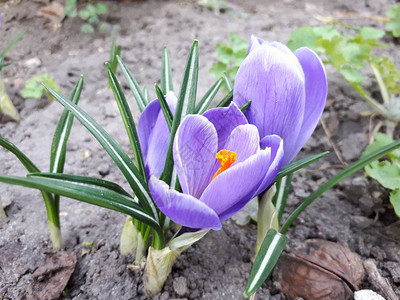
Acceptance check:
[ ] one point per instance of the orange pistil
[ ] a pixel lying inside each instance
(225, 158)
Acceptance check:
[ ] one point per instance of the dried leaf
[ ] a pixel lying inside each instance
(53, 13)
(51, 278)
(320, 270)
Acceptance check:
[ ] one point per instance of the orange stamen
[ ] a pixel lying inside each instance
(225, 158)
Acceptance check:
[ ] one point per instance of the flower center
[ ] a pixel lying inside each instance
(225, 158)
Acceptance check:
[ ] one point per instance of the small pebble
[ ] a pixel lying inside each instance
(180, 286)
(367, 295)
(33, 62)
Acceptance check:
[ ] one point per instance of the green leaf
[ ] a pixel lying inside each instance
(84, 15)
(146, 95)
(164, 106)
(70, 8)
(389, 73)
(326, 32)
(91, 194)
(218, 69)
(226, 100)
(34, 88)
(303, 37)
(134, 86)
(297, 165)
(245, 106)
(128, 120)
(334, 50)
(386, 173)
(228, 82)
(271, 249)
(350, 74)
(101, 8)
(87, 28)
(237, 43)
(224, 53)
(51, 207)
(26, 162)
(84, 180)
(356, 54)
(283, 188)
(114, 51)
(11, 44)
(166, 74)
(185, 105)
(61, 134)
(394, 23)
(120, 158)
(370, 33)
(361, 163)
(381, 140)
(395, 201)
(205, 102)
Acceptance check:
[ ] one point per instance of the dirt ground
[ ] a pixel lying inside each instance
(356, 212)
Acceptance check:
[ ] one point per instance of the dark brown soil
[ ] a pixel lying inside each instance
(356, 212)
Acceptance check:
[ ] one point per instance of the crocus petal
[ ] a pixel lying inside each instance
(225, 119)
(147, 121)
(316, 92)
(275, 86)
(255, 42)
(195, 147)
(275, 143)
(233, 188)
(154, 135)
(181, 208)
(245, 141)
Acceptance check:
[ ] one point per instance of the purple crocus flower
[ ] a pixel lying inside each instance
(220, 167)
(287, 92)
(154, 135)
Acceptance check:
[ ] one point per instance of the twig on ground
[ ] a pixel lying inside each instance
(334, 146)
(378, 282)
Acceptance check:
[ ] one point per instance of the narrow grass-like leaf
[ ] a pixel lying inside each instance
(164, 106)
(271, 249)
(185, 105)
(146, 95)
(92, 194)
(63, 129)
(121, 159)
(228, 82)
(226, 100)
(297, 165)
(244, 106)
(134, 86)
(84, 180)
(115, 50)
(283, 188)
(11, 44)
(358, 165)
(28, 164)
(50, 203)
(166, 74)
(129, 123)
(205, 102)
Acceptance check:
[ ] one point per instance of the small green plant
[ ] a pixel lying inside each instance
(350, 51)
(6, 106)
(35, 89)
(90, 14)
(393, 25)
(386, 172)
(230, 56)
